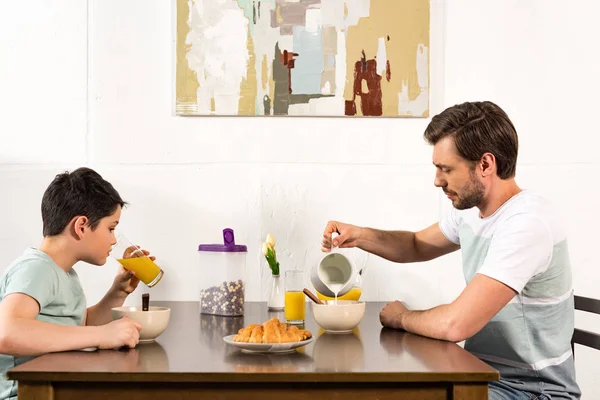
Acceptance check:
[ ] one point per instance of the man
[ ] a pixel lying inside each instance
(516, 312)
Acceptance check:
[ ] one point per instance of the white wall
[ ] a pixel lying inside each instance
(91, 83)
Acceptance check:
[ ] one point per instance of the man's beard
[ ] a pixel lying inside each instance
(470, 195)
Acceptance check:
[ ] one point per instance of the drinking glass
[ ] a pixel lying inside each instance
(132, 258)
(295, 306)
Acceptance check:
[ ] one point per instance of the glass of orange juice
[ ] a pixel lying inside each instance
(132, 258)
(295, 306)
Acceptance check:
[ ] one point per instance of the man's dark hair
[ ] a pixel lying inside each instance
(478, 128)
(81, 192)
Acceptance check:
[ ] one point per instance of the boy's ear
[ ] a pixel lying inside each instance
(79, 226)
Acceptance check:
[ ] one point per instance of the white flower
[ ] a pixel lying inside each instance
(265, 248)
(271, 240)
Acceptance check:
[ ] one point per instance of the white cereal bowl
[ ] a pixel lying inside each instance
(153, 322)
(338, 316)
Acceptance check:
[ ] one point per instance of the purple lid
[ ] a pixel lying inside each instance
(228, 245)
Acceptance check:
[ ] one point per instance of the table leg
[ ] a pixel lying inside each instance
(35, 391)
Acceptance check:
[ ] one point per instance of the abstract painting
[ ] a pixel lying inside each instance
(303, 57)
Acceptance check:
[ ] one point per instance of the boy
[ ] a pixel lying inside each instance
(42, 304)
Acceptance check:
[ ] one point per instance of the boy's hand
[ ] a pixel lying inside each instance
(136, 251)
(119, 333)
(125, 283)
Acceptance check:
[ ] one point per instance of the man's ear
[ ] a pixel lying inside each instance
(79, 226)
(488, 164)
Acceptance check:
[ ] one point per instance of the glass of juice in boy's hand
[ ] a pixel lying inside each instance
(133, 258)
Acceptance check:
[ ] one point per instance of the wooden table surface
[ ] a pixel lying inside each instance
(192, 358)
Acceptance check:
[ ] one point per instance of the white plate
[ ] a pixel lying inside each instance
(266, 347)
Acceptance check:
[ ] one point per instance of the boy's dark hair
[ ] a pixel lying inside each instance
(478, 128)
(81, 192)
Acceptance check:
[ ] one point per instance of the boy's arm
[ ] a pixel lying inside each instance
(124, 284)
(101, 313)
(22, 335)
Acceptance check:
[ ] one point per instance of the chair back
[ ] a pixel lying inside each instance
(581, 336)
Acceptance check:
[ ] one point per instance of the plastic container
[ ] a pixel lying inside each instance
(223, 276)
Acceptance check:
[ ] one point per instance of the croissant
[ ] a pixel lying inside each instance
(271, 331)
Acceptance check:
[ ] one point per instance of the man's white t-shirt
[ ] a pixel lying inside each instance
(523, 245)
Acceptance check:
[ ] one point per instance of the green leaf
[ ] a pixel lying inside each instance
(271, 258)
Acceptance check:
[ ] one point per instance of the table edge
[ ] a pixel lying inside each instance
(237, 377)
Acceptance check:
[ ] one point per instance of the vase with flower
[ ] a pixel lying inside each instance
(276, 299)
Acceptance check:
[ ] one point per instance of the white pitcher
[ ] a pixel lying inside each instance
(334, 273)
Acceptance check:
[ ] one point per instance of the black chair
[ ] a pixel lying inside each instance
(583, 337)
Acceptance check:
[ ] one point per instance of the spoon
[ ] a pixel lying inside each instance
(145, 301)
(311, 296)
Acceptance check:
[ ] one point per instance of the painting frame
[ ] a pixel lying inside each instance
(281, 78)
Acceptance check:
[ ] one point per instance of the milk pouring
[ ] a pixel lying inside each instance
(334, 275)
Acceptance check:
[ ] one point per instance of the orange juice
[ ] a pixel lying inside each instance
(144, 269)
(295, 309)
(353, 294)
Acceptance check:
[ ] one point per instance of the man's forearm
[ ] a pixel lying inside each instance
(101, 313)
(396, 246)
(437, 323)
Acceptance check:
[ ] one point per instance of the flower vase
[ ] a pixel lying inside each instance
(276, 301)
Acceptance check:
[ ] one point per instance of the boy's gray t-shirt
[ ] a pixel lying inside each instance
(58, 293)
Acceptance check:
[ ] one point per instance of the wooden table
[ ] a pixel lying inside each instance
(190, 360)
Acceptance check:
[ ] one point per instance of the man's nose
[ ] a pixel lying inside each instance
(438, 182)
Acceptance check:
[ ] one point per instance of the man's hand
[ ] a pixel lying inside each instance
(391, 315)
(348, 235)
